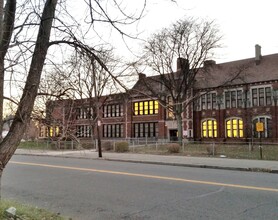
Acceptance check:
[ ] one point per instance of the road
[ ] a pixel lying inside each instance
(99, 189)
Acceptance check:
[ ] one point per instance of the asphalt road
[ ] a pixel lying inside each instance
(98, 189)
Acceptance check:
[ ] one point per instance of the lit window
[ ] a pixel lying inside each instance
(209, 128)
(145, 108)
(234, 128)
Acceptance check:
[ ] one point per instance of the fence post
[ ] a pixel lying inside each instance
(261, 152)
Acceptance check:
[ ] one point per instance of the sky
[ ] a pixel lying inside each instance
(242, 23)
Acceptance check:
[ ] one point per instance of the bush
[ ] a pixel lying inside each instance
(211, 150)
(121, 147)
(173, 148)
(107, 145)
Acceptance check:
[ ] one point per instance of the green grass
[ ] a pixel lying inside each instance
(27, 212)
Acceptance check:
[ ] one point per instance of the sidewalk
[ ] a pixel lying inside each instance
(201, 162)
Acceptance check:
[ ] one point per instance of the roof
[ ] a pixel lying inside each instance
(244, 71)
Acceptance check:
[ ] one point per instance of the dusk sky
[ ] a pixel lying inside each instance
(243, 23)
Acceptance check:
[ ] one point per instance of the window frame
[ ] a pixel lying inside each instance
(206, 131)
(236, 129)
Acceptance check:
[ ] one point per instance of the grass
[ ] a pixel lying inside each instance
(26, 212)
(36, 145)
(239, 151)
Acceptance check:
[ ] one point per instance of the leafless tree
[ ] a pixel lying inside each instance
(27, 31)
(191, 42)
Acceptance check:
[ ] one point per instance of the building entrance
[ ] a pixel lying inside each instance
(173, 135)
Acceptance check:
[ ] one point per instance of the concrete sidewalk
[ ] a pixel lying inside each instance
(201, 162)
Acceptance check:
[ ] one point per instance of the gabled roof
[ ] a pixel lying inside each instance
(244, 71)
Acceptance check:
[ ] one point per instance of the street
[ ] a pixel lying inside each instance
(99, 189)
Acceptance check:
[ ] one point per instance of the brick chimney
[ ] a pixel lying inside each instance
(182, 63)
(141, 76)
(258, 55)
(209, 63)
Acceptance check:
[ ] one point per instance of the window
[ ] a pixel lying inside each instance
(234, 128)
(209, 128)
(145, 108)
(170, 114)
(115, 110)
(146, 129)
(84, 113)
(83, 131)
(113, 130)
(267, 127)
(233, 99)
(54, 131)
(208, 101)
(261, 96)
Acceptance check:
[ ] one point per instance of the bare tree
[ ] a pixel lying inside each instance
(28, 30)
(191, 42)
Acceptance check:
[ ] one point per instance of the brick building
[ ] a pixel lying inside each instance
(230, 101)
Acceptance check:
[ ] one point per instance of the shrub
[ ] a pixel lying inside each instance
(211, 150)
(107, 145)
(121, 147)
(173, 148)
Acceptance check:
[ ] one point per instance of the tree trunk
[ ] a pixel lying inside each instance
(24, 110)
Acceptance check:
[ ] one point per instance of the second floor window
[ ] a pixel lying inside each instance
(115, 110)
(84, 113)
(261, 96)
(208, 101)
(145, 107)
(233, 99)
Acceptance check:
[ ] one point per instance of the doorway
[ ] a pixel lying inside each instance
(173, 135)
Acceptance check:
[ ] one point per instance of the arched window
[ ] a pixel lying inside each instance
(266, 120)
(234, 128)
(209, 128)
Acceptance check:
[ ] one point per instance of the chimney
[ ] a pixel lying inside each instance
(182, 63)
(258, 55)
(209, 63)
(141, 76)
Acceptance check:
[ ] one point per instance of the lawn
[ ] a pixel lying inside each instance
(26, 212)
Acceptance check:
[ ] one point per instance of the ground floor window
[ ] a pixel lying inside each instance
(234, 128)
(149, 129)
(266, 133)
(83, 131)
(113, 130)
(209, 128)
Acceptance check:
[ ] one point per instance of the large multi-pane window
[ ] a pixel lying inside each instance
(145, 107)
(84, 113)
(209, 128)
(266, 133)
(54, 131)
(146, 129)
(115, 110)
(233, 98)
(113, 130)
(207, 101)
(83, 131)
(170, 113)
(234, 128)
(261, 96)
